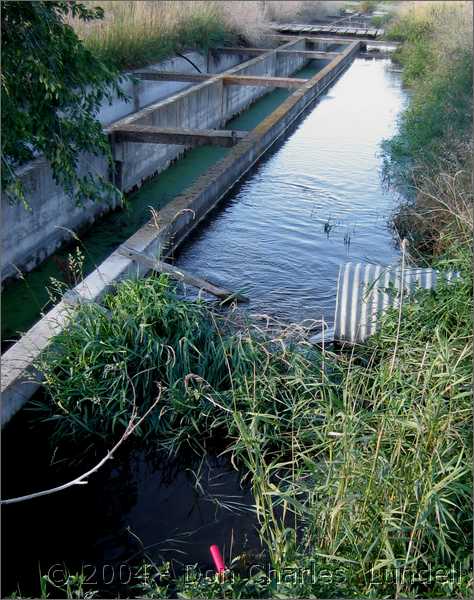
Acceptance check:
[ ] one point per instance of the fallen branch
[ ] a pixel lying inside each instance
(81, 480)
(180, 275)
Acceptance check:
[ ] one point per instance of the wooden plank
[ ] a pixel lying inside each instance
(242, 50)
(182, 275)
(147, 134)
(172, 76)
(280, 82)
(285, 82)
(334, 40)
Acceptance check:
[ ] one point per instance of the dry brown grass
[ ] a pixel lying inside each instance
(300, 10)
(137, 33)
(451, 23)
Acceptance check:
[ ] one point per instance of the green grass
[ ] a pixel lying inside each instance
(431, 155)
(436, 56)
(361, 462)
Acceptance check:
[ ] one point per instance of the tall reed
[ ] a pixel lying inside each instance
(133, 34)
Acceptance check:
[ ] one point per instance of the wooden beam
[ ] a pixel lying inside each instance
(242, 50)
(181, 275)
(333, 40)
(280, 82)
(285, 82)
(172, 76)
(147, 134)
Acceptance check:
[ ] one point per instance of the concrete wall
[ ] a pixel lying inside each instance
(30, 235)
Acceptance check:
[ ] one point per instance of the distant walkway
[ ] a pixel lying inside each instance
(339, 30)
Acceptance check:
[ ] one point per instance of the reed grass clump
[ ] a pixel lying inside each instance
(436, 56)
(431, 156)
(133, 34)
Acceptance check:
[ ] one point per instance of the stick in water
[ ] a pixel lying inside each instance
(81, 480)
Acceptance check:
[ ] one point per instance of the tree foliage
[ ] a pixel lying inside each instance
(52, 87)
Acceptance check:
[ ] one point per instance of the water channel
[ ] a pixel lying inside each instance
(313, 202)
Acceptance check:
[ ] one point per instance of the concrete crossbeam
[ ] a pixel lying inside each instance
(279, 82)
(307, 53)
(147, 134)
(283, 82)
(172, 76)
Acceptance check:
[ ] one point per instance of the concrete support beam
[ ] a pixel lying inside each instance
(315, 38)
(257, 51)
(283, 82)
(172, 76)
(311, 53)
(280, 82)
(147, 134)
(242, 50)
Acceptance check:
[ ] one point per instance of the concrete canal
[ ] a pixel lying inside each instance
(315, 201)
(24, 299)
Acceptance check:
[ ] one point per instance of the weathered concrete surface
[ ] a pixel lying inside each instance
(175, 222)
(258, 51)
(274, 82)
(28, 236)
(323, 42)
(283, 82)
(153, 75)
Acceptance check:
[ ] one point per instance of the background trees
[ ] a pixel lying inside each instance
(51, 88)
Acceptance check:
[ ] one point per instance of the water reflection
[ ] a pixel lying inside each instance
(314, 203)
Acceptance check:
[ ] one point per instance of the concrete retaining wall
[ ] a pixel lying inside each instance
(29, 236)
(177, 220)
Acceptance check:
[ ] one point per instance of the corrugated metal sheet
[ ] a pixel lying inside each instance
(365, 291)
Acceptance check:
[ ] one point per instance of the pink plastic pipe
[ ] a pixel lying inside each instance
(217, 558)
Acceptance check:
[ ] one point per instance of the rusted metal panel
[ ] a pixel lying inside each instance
(366, 291)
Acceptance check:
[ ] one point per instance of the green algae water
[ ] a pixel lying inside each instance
(24, 300)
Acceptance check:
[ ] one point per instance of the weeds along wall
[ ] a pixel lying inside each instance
(31, 234)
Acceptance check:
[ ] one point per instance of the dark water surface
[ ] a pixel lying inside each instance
(316, 202)
(141, 503)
